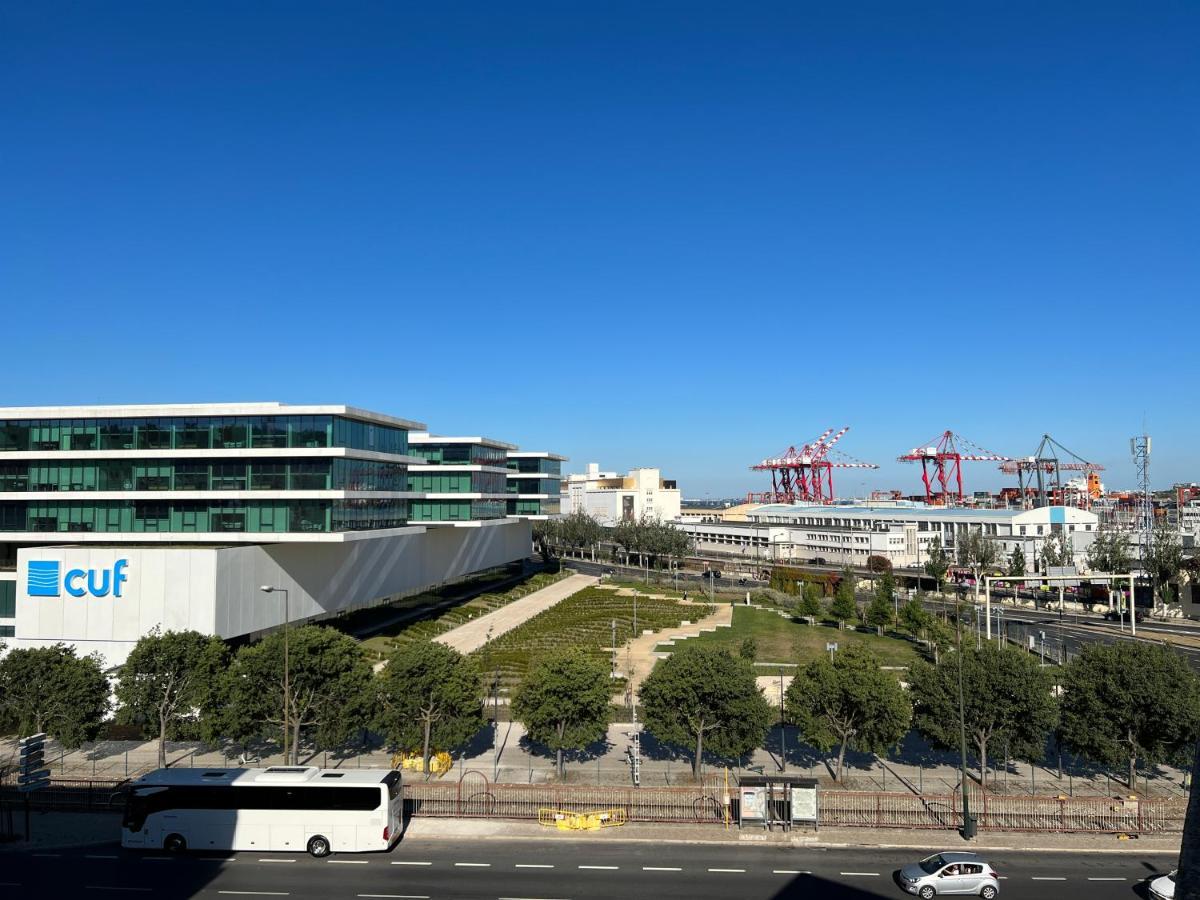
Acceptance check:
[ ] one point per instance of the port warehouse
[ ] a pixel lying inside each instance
(118, 520)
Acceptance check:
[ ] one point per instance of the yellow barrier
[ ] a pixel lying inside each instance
(439, 763)
(589, 821)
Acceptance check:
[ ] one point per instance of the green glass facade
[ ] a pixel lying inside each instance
(469, 454)
(200, 433)
(188, 516)
(539, 465)
(202, 475)
(456, 482)
(8, 599)
(549, 486)
(454, 510)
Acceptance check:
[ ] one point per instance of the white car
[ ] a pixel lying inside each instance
(1163, 887)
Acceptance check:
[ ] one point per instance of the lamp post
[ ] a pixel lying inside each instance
(287, 686)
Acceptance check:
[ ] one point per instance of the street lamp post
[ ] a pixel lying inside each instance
(287, 686)
(782, 733)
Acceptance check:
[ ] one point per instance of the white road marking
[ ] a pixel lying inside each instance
(1048, 878)
(529, 898)
(158, 858)
(216, 858)
(405, 862)
(599, 867)
(791, 872)
(727, 870)
(473, 865)
(533, 866)
(272, 859)
(104, 887)
(47, 855)
(257, 893)
(346, 862)
(399, 896)
(661, 869)
(99, 856)
(1107, 879)
(873, 874)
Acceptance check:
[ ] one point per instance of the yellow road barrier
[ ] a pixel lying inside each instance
(587, 821)
(439, 763)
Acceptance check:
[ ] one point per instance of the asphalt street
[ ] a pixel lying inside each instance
(554, 870)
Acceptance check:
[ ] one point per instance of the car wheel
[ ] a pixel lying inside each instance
(174, 843)
(318, 846)
(988, 893)
(927, 891)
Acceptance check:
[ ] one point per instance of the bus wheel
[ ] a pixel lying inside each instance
(174, 843)
(318, 846)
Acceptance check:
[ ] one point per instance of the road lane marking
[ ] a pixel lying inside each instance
(473, 865)
(104, 887)
(257, 893)
(599, 867)
(529, 898)
(873, 874)
(273, 859)
(405, 862)
(158, 858)
(99, 856)
(661, 869)
(1047, 878)
(533, 866)
(727, 870)
(790, 872)
(399, 896)
(346, 862)
(1107, 879)
(47, 855)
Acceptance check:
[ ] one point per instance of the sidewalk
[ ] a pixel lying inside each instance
(470, 636)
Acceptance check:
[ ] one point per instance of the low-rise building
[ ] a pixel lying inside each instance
(610, 498)
(534, 483)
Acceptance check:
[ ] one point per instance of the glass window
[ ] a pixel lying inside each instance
(193, 434)
(230, 434)
(311, 431)
(153, 435)
(8, 599)
(191, 476)
(270, 431)
(270, 476)
(117, 435)
(309, 476)
(229, 476)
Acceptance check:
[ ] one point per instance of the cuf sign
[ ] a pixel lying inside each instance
(46, 579)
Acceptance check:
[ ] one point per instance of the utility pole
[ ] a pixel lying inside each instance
(1139, 447)
(968, 831)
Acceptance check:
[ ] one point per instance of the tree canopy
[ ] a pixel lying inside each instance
(1130, 702)
(51, 689)
(1109, 552)
(429, 696)
(563, 702)
(848, 703)
(1007, 697)
(938, 563)
(704, 697)
(844, 607)
(650, 539)
(881, 611)
(168, 683)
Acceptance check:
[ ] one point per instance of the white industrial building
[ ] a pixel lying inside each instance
(901, 532)
(610, 498)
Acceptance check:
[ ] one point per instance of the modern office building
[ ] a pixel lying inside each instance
(534, 483)
(900, 531)
(610, 498)
(117, 520)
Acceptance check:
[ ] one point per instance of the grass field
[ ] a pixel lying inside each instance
(780, 639)
(430, 623)
(583, 621)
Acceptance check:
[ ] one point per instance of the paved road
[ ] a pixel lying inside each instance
(566, 870)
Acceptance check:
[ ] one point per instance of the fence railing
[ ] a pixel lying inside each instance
(473, 796)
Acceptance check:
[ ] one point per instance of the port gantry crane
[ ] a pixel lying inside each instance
(1045, 468)
(806, 475)
(941, 459)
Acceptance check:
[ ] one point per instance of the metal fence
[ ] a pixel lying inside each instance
(78, 795)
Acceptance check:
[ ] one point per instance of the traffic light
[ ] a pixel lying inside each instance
(30, 763)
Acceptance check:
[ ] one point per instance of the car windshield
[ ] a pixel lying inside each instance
(931, 864)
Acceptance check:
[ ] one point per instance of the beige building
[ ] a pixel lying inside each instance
(610, 498)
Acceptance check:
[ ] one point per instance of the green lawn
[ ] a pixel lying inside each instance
(582, 621)
(783, 640)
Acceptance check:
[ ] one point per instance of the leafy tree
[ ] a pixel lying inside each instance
(938, 563)
(701, 696)
(546, 535)
(1006, 697)
(844, 605)
(429, 697)
(940, 637)
(563, 702)
(168, 682)
(881, 611)
(51, 689)
(1109, 552)
(1164, 560)
(1128, 702)
(749, 649)
(914, 618)
(330, 688)
(786, 579)
(978, 553)
(1057, 551)
(1016, 562)
(878, 564)
(810, 603)
(848, 703)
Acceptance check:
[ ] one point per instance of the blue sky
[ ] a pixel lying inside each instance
(673, 234)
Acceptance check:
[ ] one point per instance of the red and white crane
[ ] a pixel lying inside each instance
(805, 475)
(941, 459)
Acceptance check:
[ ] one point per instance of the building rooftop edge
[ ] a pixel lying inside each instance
(424, 437)
(261, 408)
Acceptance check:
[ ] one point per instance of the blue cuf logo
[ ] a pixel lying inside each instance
(45, 581)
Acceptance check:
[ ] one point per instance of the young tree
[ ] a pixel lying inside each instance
(848, 703)
(429, 697)
(1165, 558)
(914, 618)
(1016, 562)
(51, 689)
(940, 637)
(330, 688)
(169, 681)
(844, 605)
(882, 610)
(563, 703)
(1006, 696)
(1109, 552)
(1128, 702)
(546, 535)
(810, 602)
(749, 649)
(706, 698)
(1057, 551)
(978, 553)
(938, 563)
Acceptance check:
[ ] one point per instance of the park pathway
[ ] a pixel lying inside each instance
(470, 636)
(640, 654)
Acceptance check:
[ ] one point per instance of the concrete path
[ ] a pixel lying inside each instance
(472, 635)
(642, 654)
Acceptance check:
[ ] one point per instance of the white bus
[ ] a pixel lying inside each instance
(281, 808)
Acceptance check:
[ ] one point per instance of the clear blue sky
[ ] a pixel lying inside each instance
(673, 234)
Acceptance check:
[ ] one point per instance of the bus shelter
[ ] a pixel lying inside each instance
(777, 800)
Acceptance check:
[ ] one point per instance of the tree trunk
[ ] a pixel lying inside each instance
(841, 759)
(1132, 782)
(982, 742)
(425, 747)
(1187, 881)
(296, 741)
(162, 740)
(558, 762)
(699, 753)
